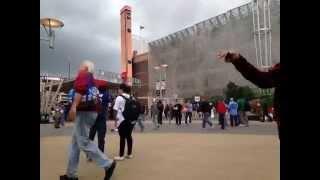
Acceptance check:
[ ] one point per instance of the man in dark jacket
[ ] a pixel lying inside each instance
(160, 112)
(177, 108)
(269, 79)
(206, 110)
(100, 126)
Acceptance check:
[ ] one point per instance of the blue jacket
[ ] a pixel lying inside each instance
(233, 108)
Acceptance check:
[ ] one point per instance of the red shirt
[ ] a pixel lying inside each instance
(221, 107)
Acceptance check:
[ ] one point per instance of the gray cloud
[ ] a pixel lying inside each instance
(92, 28)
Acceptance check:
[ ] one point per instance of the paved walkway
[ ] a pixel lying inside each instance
(172, 153)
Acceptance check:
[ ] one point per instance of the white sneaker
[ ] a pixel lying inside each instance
(129, 156)
(118, 158)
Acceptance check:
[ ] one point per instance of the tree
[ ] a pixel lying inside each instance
(214, 99)
(237, 92)
(245, 92)
(231, 90)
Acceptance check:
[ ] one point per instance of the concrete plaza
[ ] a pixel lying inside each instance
(170, 153)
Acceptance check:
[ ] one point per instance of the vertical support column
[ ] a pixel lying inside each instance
(270, 35)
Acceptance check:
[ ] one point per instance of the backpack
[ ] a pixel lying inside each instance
(131, 109)
(91, 98)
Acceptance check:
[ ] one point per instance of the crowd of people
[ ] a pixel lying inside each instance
(90, 103)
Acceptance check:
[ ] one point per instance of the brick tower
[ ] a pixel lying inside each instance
(126, 42)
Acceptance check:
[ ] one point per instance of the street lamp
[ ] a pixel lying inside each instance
(49, 24)
(140, 40)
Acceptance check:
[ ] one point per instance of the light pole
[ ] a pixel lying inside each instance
(140, 37)
(49, 24)
(159, 67)
(164, 66)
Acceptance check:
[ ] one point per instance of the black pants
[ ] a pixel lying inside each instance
(178, 117)
(221, 120)
(125, 132)
(100, 127)
(188, 114)
(166, 115)
(160, 118)
(171, 115)
(233, 120)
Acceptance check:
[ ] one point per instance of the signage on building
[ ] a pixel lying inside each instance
(197, 98)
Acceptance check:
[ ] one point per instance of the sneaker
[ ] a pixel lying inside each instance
(110, 170)
(65, 177)
(129, 156)
(118, 158)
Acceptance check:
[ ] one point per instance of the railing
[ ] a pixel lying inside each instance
(214, 22)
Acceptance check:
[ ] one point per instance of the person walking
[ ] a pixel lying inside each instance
(170, 113)
(241, 104)
(206, 110)
(84, 112)
(160, 112)
(141, 116)
(126, 120)
(189, 112)
(184, 112)
(177, 108)
(233, 111)
(154, 114)
(62, 117)
(247, 109)
(199, 114)
(221, 110)
(166, 112)
(57, 116)
(269, 79)
(213, 110)
(100, 125)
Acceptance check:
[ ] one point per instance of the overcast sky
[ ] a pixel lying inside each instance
(92, 27)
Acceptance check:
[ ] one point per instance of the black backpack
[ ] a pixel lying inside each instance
(131, 109)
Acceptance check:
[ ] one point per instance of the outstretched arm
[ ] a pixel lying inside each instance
(248, 71)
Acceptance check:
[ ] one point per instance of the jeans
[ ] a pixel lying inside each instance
(233, 120)
(166, 114)
(100, 127)
(62, 119)
(140, 119)
(154, 120)
(206, 117)
(81, 141)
